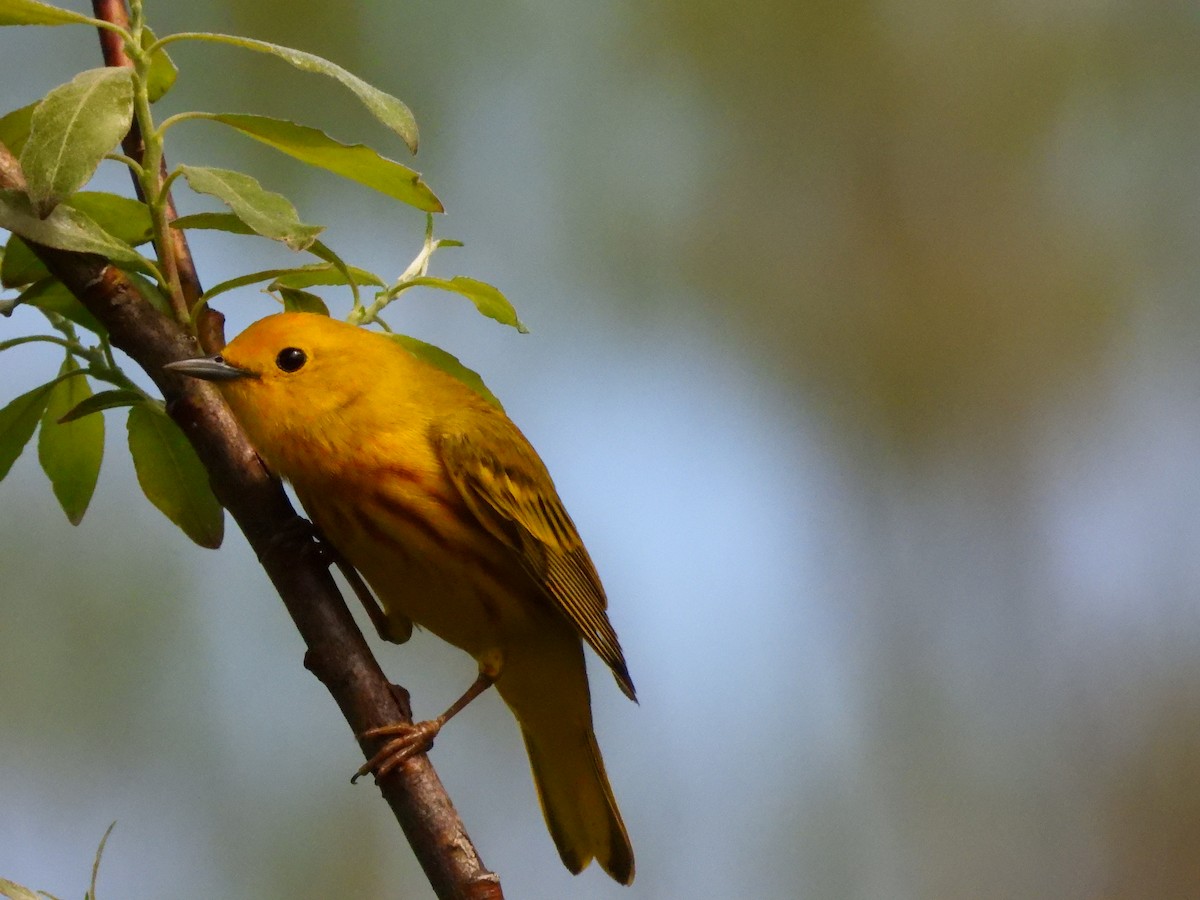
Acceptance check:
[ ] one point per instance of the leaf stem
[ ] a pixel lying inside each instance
(418, 268)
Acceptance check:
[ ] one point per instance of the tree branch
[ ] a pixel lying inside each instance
(337, 653)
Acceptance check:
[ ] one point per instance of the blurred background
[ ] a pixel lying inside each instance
(864, 354)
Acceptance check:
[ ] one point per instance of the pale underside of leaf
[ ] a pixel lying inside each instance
(65, 228)
(389, 110)
(266, 212)
(72, 128)
(31, 12)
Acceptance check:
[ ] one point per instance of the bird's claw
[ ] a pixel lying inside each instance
(408, 740)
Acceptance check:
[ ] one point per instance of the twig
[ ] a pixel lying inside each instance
(210, 327)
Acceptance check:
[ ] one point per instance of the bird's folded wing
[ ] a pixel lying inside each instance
(516, 502)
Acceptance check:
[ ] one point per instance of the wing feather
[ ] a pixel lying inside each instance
(516, 502)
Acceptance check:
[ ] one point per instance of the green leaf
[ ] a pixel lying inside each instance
(386, 108)
(487, 299)
(124, 218)
(162, 74)
(255, 277)
(172, 476)
(354, 161)
(70, 453)
(17, 422)
(73, 127)
(19, 266)
(14, 127)
(30, 12)
(65, 228)
(448, 363)
(302, 301)
(152, 294)
(100, 402)
(267, 213)
(213, 221)
(52, 295)
(310, 276)
(341, 274)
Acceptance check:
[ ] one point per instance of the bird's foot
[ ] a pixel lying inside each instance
(408, 739)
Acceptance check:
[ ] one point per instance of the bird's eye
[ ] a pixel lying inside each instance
(291, 359)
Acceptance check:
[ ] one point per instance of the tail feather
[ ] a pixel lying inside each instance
(545, 684)
(578, 804)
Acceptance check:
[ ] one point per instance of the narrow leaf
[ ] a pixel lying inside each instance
(72, 128)
(267, 213)
(14, 127)
(448, 363)
(302, 301)
(163, 72)
(52, 295)
(354, 161)
(253, 278)
(386, 108)
(100, 402)
(213, 221)
(172, 476)
(19, 266)
(310, 276)
(65, 228)
(70, 453)
(17, 423)
(30, 12)
(152, 293)
(487, 299)
(15, 891)
(232, 224)
(91, 893)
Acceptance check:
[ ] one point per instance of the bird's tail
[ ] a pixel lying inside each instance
(548, 693)
(578, 803)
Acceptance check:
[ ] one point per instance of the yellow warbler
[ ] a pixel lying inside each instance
(441, 503)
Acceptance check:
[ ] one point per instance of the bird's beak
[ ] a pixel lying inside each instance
(209, 368)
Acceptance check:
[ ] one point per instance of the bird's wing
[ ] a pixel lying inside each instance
(518, 505)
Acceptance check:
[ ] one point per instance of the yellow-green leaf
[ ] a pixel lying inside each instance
(14, 128)
(172, 476)
(17, 422)
(448, 363)
(163, 72)
(52, 295)
(73, 127)
(255, 277)
(19, 266)
(102, 401)
(70, 453)
(354, 161)
(15, 891)
(487, 299)
(296, 300)
(124, 218)
(269, 214)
